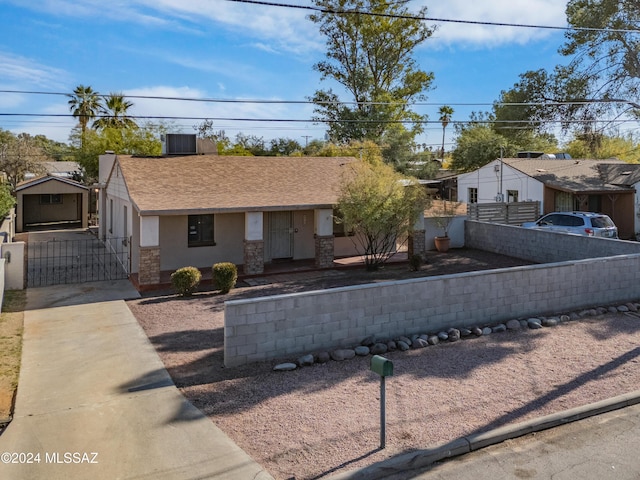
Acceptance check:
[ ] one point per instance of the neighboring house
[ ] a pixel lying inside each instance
(56, 169)
(198, 210)
(51, 202)
(605, 186)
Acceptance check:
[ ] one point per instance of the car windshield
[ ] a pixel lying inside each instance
(602, 222)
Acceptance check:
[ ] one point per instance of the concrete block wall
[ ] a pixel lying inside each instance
(542, 246)
(285, 326)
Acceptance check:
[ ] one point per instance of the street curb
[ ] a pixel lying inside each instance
(423, 458)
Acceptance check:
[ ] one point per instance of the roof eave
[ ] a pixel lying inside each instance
(203, 210)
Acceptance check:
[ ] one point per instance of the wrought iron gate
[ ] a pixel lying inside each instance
(90, 259)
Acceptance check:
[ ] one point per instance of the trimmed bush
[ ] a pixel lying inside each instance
(415, 261)
(186, 280)
(225, 275)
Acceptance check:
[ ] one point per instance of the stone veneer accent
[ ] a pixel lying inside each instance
(324, 251)
(149, 271)
(253, 257)
(417, 243)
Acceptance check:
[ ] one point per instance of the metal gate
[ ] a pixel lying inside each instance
(90, 259)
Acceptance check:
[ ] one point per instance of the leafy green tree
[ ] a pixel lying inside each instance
(380, 206)
(399, 150)
(85, 104)
(20, 154)
(206, 129)
(604, 58)
(520, 108)
(604, 146)
(312, 148)
(55, 151)
(250, 145)
(370, 56)
(115, 114)
(284, 147)
(477, 145)
(445, 113)
(142, 141)
(7, 201)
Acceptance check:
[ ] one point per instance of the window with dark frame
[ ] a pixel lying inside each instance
(512, 196)
(200, 233)
(473, 195)
(50, 199)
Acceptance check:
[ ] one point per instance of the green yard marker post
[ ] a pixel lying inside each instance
(384, 368)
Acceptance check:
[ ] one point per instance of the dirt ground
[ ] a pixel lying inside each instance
(319, 420)
(11, 325)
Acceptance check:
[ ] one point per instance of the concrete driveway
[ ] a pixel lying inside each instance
(95, 401)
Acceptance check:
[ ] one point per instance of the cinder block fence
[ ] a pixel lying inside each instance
(284, 326)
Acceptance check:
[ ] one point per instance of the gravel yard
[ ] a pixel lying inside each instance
(324, 419)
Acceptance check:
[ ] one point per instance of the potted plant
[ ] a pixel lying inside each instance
(443, 213)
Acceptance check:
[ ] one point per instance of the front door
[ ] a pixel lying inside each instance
(281, 234)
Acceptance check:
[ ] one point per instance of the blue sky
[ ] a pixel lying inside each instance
(218, 49)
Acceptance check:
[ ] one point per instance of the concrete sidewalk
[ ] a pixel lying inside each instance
(95, 401)
(599, 441)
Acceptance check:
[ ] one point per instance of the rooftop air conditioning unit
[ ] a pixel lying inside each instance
(179, 144)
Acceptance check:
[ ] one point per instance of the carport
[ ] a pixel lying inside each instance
(52, 203)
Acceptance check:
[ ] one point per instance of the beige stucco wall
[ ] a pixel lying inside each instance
(174, 250)
(14, 269)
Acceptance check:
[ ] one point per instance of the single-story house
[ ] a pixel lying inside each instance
(197, 210)
(605, 186)
(51, 202)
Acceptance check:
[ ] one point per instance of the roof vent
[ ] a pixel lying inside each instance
(179, 144)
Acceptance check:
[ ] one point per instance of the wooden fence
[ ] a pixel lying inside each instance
(514, 213)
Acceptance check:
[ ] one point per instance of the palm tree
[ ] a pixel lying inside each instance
(116, 113)
(445, 112)
(85, 104)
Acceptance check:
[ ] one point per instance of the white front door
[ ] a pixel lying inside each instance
(281, 234)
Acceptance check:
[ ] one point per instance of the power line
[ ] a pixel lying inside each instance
(310, 102)
(433, 19)
(323, 121)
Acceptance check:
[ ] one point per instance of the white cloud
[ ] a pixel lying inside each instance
(283, 29)
(277, 28)
(526, 12)
(25, 72)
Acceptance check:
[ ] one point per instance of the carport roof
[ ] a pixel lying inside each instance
(191, 184)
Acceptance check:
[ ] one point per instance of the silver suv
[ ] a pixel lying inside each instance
(578, 223)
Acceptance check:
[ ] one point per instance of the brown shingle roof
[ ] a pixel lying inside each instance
(576, 175)
(225, 184)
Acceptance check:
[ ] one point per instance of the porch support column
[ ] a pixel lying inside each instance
(324, 237)
(149, 267)
(417, 242)
(253, 243)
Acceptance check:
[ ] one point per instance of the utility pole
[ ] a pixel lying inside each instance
(306, 140)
